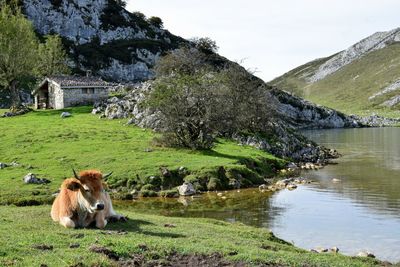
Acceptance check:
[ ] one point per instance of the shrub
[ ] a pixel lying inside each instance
(198, 101)
(156, 22)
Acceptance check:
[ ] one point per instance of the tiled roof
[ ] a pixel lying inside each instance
(72, 81)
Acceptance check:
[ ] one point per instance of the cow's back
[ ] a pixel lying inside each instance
(64, 205)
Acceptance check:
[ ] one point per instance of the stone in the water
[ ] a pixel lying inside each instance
(263, 187)
(334, 249)
(220, 194)
(187, 189)
(291, 186)
(65, 115)
(336, 180)
(365, 254)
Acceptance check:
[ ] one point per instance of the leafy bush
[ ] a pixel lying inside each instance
(199, 101)
(156, 22)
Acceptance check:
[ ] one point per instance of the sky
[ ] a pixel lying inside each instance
(272, 37)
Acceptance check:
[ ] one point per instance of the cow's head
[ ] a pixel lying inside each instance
(90, 185)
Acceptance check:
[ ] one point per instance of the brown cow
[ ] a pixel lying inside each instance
(82, 200)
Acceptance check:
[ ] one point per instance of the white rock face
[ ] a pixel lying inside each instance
(126, 72)
(391, 88)
(376, 41)
(81, 22)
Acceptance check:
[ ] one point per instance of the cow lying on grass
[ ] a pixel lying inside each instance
(82, 201)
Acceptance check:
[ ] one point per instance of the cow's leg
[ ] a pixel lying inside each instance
(110, 212)
(101, 221)
(67, 222)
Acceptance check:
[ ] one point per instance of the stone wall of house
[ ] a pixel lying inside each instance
(58, 97)
(81, 96)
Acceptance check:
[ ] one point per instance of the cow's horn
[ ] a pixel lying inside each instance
(76, 175)
(105, 176)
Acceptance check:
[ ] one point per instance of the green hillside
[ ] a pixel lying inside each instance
(349, 88)
(48, 146)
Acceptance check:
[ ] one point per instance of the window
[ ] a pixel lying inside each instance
(91, 90)
(84, 90)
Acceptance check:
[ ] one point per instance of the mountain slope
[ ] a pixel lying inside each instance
(102, 36)
(362, 79)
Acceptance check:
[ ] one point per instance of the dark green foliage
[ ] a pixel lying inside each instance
(169, 193)
(156, 22)
(97, 56)
(205, 45)
(148, 193)
(199, 101)
(112, 17)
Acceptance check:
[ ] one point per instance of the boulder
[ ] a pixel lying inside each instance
(187, 189)
(291, 186)
(334, 249)
(31, 178)
(3, 165)
(65, 115)
(366, 254)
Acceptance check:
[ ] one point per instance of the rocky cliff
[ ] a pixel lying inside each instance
(102, 36)
(364, 78)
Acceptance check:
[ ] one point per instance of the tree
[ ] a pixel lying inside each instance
(156, 22)
(199, 101)
(205, 45)
(21, 54)
(121, 3)
(18, 50)
(52, 57)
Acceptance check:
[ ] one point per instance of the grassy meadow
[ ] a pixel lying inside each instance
(29, 238)
(49, 146)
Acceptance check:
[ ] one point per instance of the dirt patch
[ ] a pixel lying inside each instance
(180, 260)
(103, 250)
(42, 247)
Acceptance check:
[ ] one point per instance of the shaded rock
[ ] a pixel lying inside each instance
(31, 178)
(365, 254)
(291, 186)
(319, 250)
(263, 187)
(334, 249)
(187, 189)
(170, 225)
(3, 165)
(234, 183)
(65, 115)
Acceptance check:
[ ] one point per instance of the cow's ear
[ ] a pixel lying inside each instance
(74, 186)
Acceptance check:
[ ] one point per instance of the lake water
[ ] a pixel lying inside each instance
(362, 212)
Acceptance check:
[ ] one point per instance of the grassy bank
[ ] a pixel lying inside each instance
(28, 237)
(48, 146)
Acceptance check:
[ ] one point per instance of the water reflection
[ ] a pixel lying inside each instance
(362, 212)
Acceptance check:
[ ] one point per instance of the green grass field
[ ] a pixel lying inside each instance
(23, 229)
(50, 146)
(349, 88)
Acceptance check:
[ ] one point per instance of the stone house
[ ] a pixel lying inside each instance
(60, 92)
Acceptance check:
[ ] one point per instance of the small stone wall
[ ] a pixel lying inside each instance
(85, 95)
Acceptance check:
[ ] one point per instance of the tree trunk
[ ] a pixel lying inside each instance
(15, 97)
